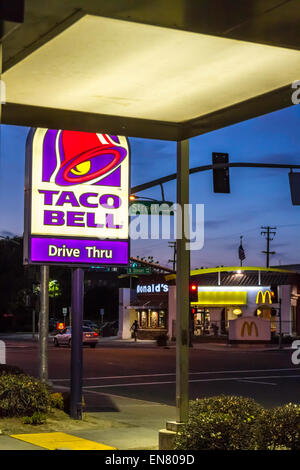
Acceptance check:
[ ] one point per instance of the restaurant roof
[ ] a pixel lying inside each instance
(241, 276)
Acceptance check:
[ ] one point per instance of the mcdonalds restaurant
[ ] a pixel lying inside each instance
(238, 303)
(242, 303)
(148, 304)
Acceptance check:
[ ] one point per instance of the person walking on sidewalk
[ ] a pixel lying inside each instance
(134, 329)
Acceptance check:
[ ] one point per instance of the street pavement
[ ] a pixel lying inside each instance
(134, 383)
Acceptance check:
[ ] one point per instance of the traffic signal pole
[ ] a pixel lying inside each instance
(192, 171)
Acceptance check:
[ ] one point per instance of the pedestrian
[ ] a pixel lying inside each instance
(134, 329)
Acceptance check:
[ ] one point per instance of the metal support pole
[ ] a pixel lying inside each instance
(182, 286)
(76, 353)
(44, 323)
(280, 327)
(33, 323)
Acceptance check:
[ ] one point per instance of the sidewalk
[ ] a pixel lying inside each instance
(109, 340)
(240, 347)
(133, 426)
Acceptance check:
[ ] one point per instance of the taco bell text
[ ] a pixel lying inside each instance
(83, 218)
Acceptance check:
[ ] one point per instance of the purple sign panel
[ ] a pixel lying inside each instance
(65, 251)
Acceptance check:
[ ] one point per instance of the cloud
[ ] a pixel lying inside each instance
(214, 224)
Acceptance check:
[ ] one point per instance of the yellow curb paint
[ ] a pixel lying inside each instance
(61, 440)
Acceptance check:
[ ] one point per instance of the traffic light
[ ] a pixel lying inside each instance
(193, 293)
(274, 294)
(220, 175)
(295, 187)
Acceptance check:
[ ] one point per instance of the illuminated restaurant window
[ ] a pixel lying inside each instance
(161, 319)
(143, 319)
(151, 319)
(154, 320)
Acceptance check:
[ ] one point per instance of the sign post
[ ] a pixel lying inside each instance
(33, 323)
(76, 215)
(102, 315)
(76, 352)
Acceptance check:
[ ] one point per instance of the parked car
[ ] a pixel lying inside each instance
(109, 328)
(89, 337)
(52, 324)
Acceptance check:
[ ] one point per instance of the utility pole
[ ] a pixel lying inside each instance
(44, 323)
(280, 326)
(173, 261)
(268, 231)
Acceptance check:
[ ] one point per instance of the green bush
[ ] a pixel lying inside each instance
(246, 408)
(57, 401)
(279, 428)
(285, 339)
(237, 423)
(35, 419)
(220, 423)
(162, 340)
(22, 395)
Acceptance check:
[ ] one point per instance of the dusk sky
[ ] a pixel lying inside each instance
(258, 196)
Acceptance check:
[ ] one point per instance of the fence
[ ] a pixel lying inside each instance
(220, 328)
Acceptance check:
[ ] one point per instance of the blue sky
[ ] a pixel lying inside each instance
(258, 196)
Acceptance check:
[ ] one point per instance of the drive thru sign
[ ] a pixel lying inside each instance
(76, 198)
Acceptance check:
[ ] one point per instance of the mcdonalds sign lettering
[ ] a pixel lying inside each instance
(76, 198)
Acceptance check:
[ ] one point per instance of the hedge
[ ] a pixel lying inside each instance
(238, 423)
(22, 395)
(7, 369)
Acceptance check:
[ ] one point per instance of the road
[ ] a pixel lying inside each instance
(147, 372)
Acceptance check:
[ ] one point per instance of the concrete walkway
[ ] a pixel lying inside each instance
(133, 426)
(111, 341)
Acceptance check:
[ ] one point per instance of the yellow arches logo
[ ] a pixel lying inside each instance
(249, 327)
(264, 297)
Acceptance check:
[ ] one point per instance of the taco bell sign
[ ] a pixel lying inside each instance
(76, 198)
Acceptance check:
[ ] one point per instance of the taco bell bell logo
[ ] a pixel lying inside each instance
(71, 158)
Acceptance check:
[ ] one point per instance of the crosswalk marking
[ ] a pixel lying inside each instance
(61, 440)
